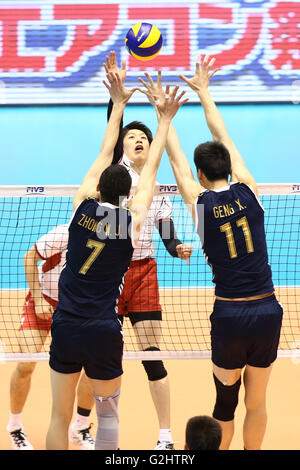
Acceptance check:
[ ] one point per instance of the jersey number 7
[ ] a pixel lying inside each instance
(97, 247)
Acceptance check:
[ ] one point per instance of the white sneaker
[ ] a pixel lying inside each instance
(19, 439)
(82, 437)
(164, 445)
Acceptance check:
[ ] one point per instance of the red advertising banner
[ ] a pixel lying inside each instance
(53, 51)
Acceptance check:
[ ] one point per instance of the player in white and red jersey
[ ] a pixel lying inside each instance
(140, 296)
(43, 263)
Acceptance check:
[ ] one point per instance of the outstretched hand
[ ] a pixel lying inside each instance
(169, 104)
(202, 75)
(118, 93)
(161, 98)
(152, 89)
(111, 66)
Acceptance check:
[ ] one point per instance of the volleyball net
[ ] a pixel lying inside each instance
(186, 290)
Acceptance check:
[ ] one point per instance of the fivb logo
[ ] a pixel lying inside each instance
(168, 188)
(35, 189)
(296, 188)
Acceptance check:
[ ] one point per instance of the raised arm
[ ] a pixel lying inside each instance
(187, 185)
(199, 83)
(167, 107)
(120, 96)
(112, 66)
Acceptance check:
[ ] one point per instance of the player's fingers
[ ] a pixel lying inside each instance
(185, 79)
(124, 64)
(110, 77)
(109, 62)
(113, 57)
(179, 99)
(144, 83)
(213, 72)
(181, 103)
(149, 78)
(143, 91)
(180, 95)
(211, 63)
(117, 78)
(167, 93)
(106, 84)
(174, 91)
(159, 78)
(205, 60)
(133, 90)
(198, 62)
(189, 248)
(155, 98)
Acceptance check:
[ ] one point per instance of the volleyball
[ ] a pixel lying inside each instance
(144, 41)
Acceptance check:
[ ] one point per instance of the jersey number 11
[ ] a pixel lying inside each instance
(227, 229)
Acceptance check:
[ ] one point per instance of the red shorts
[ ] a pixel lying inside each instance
(140, 292)
(29, 319)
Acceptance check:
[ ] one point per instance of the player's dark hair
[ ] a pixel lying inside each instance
(115, 182)
(203, 433)
(213, 159)
(141, 127)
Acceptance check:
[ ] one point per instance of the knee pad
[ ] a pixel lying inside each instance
(107, 437)
(155, 370)
(227, 400)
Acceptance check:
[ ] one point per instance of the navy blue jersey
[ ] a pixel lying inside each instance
(98, 255)
(234, 241)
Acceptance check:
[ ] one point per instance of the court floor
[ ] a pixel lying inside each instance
(192, 393)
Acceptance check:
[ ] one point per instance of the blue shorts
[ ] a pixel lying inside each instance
(95, 345)
(245, 332)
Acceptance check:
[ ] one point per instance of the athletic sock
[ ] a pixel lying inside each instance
(165, 435)
(15, 421)
(82, 418)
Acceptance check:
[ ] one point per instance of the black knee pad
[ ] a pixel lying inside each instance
(155, 370)
(227, 400)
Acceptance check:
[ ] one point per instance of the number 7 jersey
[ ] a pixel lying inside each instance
(99, 252)
(230, 223)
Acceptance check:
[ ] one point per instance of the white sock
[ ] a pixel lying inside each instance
(15, 421)
(165, 435)
(81, 422)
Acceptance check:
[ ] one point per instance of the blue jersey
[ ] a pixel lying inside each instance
(98, 255)
(230, 223)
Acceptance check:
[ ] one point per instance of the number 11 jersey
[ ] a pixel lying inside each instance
(230, 223)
